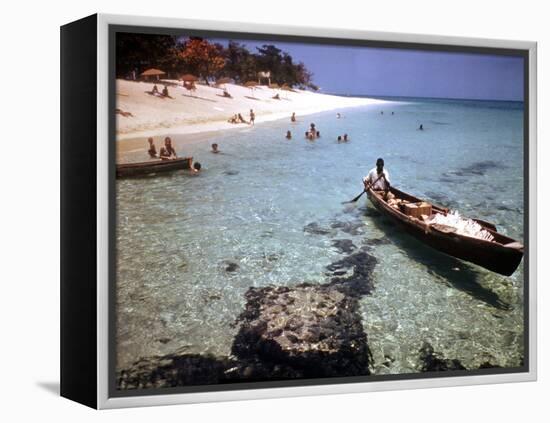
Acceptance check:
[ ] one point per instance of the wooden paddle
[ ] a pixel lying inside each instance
(365, 190)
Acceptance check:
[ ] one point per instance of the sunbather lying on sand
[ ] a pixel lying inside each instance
(123, 113)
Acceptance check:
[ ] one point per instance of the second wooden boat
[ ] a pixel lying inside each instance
(152, 166)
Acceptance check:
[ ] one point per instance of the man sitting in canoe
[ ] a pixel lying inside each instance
(152, 149)
(378, 178)
(167, 152)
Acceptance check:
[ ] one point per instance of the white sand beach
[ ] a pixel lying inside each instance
(206, 109)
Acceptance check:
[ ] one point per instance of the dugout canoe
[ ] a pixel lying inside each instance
(152, 166)
(501, 255)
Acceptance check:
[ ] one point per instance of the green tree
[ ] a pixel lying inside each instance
(141, 51)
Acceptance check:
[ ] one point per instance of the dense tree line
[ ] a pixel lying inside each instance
(208, 61)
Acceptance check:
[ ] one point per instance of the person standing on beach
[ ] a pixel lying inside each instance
(252, 117)
(152, 149)
(378, 178)
(167, 152)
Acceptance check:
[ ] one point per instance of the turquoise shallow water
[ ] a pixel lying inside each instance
(179, 234)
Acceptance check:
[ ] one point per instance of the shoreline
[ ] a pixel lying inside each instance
(179, 115)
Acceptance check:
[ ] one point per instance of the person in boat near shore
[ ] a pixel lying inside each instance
(288, 135)
(293, 117)
(252, 117)
(152, 149)
(167, 152)
(215, 148)
(379, 179)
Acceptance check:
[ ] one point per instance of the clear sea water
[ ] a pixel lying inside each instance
(178, 233)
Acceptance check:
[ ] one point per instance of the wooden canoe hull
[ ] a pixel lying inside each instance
(495, 256)
(153, 166)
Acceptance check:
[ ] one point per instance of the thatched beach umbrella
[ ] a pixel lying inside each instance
(189, 82)
(189, 78)
(153, 72)
(223, 81)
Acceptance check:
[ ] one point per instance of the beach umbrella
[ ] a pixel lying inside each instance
(189, 78)
(189, 82)
(153, 72)
(223, 81)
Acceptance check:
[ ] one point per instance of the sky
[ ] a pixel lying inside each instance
(407, 73)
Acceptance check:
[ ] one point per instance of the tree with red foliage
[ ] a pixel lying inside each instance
(202, 57)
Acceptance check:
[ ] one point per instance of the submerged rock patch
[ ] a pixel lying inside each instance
(344, 245)
(435, 362)
(315, 229)
(360, 282)
(351, 228)
(314, 329)
(230, 266)
(476, 169)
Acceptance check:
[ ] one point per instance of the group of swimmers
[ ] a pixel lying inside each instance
(313, 133)
(238, 118)
(420, 128)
